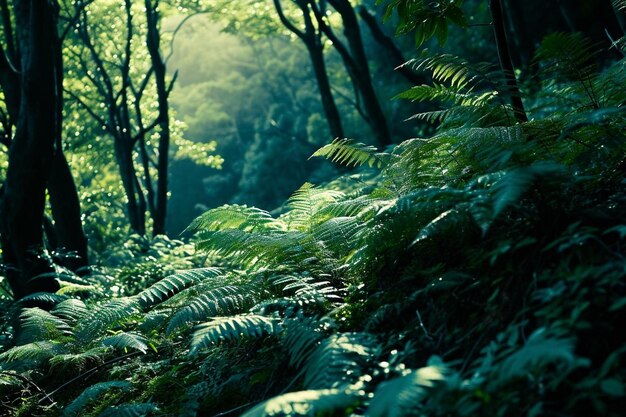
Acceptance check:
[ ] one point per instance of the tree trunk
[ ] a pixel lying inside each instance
(62, 193)
(361, 72)
(311, 39)
(124, 156)
(65, 206)
(153, 41)
(504, 55)
(31, 152)
(397, 59)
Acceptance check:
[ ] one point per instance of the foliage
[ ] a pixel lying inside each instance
(475, 272)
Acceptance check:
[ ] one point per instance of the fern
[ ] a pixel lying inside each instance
(72, 362)
(223, 300)
(225, 329)
(92, 393)
(393, 398)
(34, 351)
(235, 217)
(38, 325)
(125, 341)
(70, 310)
(129, 410)
(104, 317)
(307, 403)
(307, 288)
(173, 284)
(338, 360)
(349, 153)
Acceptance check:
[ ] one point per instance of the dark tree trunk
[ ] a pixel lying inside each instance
(65, 206)
(124, 156)
(158, 65)
(360, 71)
(62, 192)
(397, 58)
(311, 38)
(504, 54)
(31, 152)
(316, 53)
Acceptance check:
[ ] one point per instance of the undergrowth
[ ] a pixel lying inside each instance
(479, 272)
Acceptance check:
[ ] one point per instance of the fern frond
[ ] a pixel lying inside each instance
(104, 317)
(514, 183)
(130, 410)
(235, 217)
(226, 329)
(539, 350)
(309, 288)
(173, 284)
(338, 233)
(324, 402)
(79, 361)
(71, 310)
(126, 340)
(77, 407)
(393, 397)
(223, 300)
(37, 325)
(45, 298)
(300, 338)
(350, 153)
(305, 202)
(338, 360)
(35, 351)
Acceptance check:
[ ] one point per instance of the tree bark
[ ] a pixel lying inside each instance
(311, 39)
(504, 55)
(153, 40)
(65, 207)
(391, 48)
(360, 71)
(31, 152)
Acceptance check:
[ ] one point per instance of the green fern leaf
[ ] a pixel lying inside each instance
(125, 341)
(225, 329)
(77, 362)
(35, 351)
(312, 403)
(223, 300)
(104, 317)
(130, 410)
(38, 325)
(77, 407)
(173, 284)
(349, 153)
(235, 217)
(71, 310)
(394, 397)
(338, 360)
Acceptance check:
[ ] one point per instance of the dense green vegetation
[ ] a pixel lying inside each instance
(464, 255)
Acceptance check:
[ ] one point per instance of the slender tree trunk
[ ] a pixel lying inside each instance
(31, 152)
(153, 43)
(331, 112)
(504, 55)
(361, 72)
(311, 39)
(397, 59)
(124, 155)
